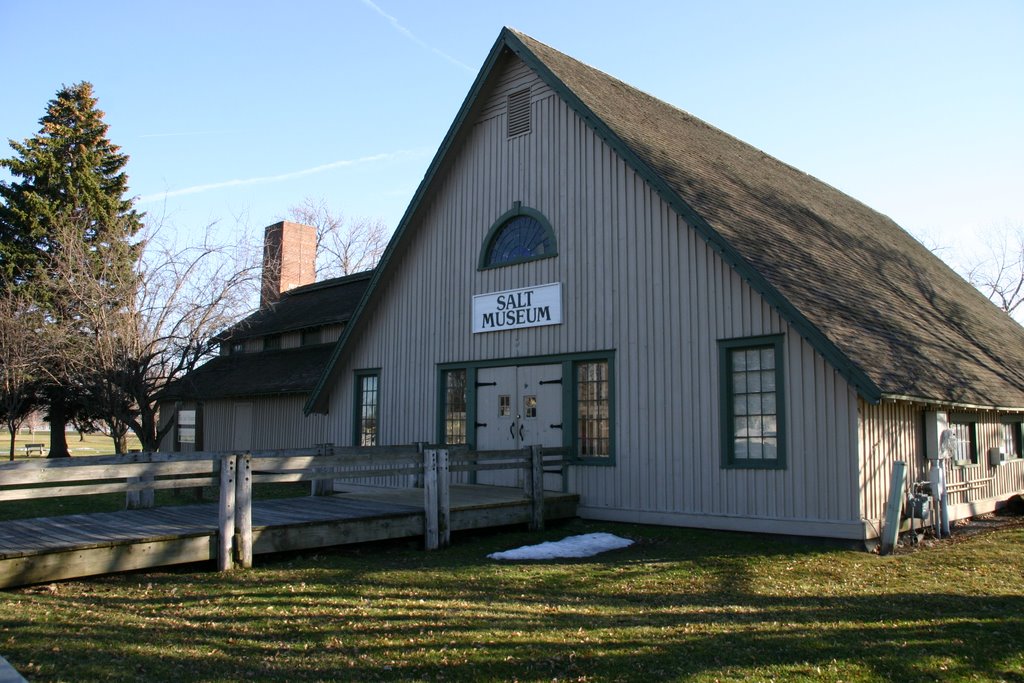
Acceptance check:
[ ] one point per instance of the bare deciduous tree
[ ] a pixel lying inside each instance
(999, 270)
(154, 326)
(343, 246)
(21, 364)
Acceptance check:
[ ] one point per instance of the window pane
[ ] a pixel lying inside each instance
(521, 237)
(739, 404)
(367, 427)
(754, 404)
(455, 407)
(593, 423)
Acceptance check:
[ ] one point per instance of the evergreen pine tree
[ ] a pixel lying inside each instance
(69, 173)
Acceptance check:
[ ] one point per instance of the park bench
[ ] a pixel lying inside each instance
(34, 449)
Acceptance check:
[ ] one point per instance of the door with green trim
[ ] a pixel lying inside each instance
(517, 407)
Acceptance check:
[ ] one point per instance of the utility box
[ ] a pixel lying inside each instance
(996, 457)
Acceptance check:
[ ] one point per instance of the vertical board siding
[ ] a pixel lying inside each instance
(277, 422)
(636, 281)
(894, 431)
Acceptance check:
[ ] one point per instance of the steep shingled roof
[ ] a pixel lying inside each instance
(284, 371)
(891, 307)
(321, 303)
(888, 314)
(288, 371)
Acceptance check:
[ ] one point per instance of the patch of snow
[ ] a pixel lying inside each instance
(585, 545)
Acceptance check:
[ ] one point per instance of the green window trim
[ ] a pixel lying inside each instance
(509, 219)
(569, 363)
(366, 408)
(769, 404)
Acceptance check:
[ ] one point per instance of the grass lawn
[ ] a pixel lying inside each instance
(78, 444)
(678, 605)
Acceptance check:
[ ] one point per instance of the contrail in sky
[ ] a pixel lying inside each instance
(408, 34)
(240, 182)
(181, 135)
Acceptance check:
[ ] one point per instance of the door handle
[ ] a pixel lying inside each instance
(520, 432)
(557, 426)
(512, 430)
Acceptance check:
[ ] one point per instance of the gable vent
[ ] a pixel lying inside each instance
(519, 113)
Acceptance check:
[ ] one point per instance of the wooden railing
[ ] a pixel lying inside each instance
(139, 475)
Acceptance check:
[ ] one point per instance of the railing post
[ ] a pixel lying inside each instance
(418, 478)
(226, 526)
(444, 507)
(243, 509)
(140, 498)
(536, 479)
(431, 541)
(322, 487)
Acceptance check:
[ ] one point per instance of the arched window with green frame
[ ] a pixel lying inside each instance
(520, 235)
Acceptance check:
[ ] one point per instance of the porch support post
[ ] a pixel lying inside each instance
(243, 509)
(226, 526)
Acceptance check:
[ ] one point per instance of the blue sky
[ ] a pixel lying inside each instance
(232, 112)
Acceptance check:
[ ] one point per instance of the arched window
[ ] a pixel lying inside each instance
(520, 235)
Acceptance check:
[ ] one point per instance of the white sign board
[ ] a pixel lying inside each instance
(518, 308)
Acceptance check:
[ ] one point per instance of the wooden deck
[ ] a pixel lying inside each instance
(54, 548)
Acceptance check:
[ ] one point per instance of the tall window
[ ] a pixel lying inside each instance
(186, 425)
(520, 235)
(593, 410)
(966, 442)
(1012, 439)
(367, 401)
(455, 407)
(752, 402)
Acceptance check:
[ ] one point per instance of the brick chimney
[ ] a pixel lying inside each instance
(289, 259)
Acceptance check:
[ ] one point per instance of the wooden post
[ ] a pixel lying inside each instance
(243, 509)
(418, 478)
(226, 527)
(141, 498)
(323, 487)
(891, 531)
(536, 479)
(444, 503)
(430, 497)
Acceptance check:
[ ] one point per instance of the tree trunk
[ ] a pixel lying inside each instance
(14, 434)
(58, 437)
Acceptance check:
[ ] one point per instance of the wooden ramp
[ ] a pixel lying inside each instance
(54, 548)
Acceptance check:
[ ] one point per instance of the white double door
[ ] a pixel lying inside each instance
(517, 406)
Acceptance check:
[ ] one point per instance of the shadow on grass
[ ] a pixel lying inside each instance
(678, 604)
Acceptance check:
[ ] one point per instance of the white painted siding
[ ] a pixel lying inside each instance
(637, 281)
